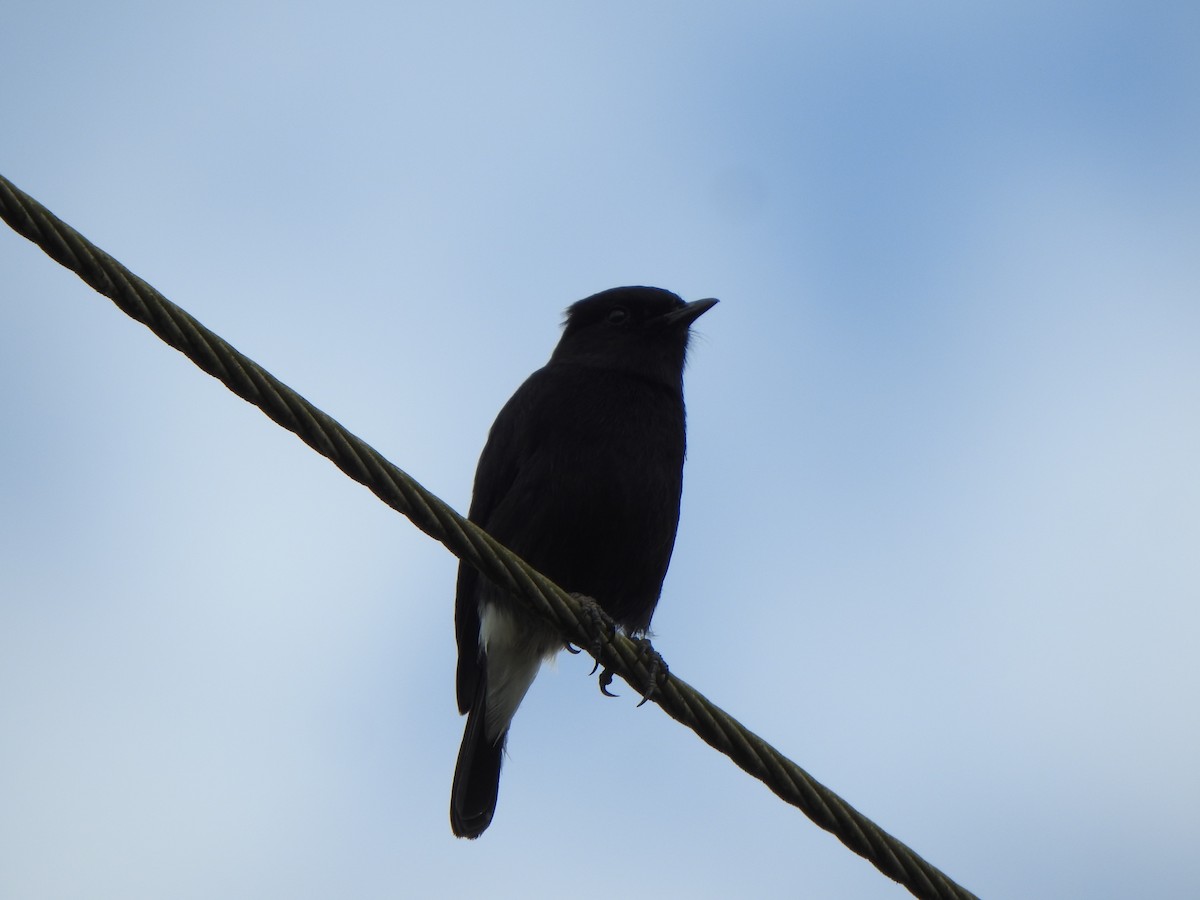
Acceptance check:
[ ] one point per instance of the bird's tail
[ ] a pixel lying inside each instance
(477, 774)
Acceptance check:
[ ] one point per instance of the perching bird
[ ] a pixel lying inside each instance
(580, 477)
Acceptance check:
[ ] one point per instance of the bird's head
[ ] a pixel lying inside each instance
(642, 330)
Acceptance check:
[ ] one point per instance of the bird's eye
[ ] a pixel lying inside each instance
(618, 315)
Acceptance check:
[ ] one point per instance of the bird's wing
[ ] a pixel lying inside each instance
(507, 449)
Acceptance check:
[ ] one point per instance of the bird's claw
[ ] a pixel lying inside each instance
(600, 621)
(656, 668)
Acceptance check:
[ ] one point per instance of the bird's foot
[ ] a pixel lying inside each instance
(656, 667)
(601, 622)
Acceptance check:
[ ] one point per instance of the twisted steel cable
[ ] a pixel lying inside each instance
(465, 540)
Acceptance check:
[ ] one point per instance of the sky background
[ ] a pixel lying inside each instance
(941, 508)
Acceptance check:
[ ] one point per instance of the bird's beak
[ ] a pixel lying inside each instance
(689, 312)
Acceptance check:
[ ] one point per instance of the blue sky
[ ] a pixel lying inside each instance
(941, 507)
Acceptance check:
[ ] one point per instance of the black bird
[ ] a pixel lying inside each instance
(580, 477)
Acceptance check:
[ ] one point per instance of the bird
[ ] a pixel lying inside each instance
(581, 476)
